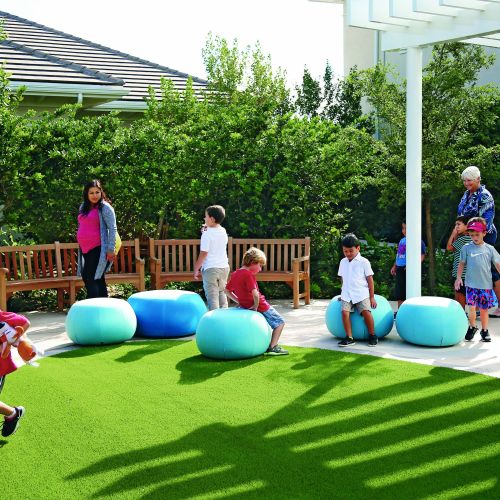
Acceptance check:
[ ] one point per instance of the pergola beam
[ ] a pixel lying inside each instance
(467, 24)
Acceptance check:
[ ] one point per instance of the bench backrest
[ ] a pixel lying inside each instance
(125, 261)
(279, 253)
(28, 262)
(178, 256)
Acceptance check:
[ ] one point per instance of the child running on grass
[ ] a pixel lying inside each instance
(242, 288)
(458, 238)
(478, 256)
(12, 414)
(358, 290)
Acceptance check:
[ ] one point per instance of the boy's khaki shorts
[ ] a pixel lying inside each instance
(364, 305)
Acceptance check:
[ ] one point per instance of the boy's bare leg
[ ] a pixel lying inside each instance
(370, 324)
(6, 409)
(472, 316)
(276, 335)
(484, 318)
(399, 303)
(346, 321)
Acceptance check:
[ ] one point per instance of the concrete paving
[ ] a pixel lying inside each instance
(305, 327)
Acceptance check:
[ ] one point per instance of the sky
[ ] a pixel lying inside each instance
(295, 33)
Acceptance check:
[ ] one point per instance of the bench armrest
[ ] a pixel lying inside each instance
(301, 259)
(4, 271)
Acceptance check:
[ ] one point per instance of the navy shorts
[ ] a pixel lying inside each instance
(273, 318)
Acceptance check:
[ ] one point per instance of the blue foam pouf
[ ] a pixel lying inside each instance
(383, 318)
(100, 320)
(167, 313)
(431, 321)
(233, 334)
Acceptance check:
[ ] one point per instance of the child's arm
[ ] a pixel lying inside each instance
(256, 299)
(232, 296)
(460, 270)
(371, 289)
(199, 263)
(451, 240)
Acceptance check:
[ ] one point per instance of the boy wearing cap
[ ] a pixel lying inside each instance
(478, 256)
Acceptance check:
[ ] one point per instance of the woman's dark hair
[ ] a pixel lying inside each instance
(87, 206)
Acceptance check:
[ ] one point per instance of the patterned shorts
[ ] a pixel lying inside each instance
(483, 299)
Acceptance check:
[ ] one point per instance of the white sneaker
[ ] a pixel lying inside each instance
(495, 313)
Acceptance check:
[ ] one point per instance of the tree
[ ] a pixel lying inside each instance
(454, 110)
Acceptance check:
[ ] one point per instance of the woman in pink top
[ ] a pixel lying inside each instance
(96, 236)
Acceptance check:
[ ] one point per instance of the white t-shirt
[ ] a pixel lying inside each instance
(354, 273)
(214, 241)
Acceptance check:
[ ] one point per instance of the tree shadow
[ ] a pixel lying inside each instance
(144, 349)
(409, 435)
(199, 368)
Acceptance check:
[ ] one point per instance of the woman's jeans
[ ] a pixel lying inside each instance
(95, 287)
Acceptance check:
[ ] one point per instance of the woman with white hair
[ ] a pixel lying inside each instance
(477, 201)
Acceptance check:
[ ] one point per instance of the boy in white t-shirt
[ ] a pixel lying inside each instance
(357, 289)
(213, 260)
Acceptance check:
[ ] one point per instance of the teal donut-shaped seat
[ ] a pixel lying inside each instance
(383, 318)
(431, 321)
(100, 320)
(233, 334)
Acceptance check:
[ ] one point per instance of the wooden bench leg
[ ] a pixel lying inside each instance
(307, 284)
(60, 299)
(72, 293)
(296, 292)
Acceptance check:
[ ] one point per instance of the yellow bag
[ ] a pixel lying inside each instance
(118, 243)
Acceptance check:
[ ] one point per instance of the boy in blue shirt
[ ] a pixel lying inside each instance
(399, 267)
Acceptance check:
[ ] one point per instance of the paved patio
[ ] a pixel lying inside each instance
(305, 327)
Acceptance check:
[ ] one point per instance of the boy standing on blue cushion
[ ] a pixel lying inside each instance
(399, 267)
(213, 260)
(358, 290)
(479, 257)
(458, 238)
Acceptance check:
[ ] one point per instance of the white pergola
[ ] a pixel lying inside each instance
(412, 25)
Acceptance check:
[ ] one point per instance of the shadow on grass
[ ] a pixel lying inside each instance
(198, 368)
(414, 438)
(142, 349)
(84, 351)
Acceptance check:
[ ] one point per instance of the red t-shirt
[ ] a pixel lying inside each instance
(241, 283)
(7, 365)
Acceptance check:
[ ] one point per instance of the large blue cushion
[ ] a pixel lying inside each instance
(233, 334)
(383, 318)
(100, 320)
(167, 313)
(431, 321)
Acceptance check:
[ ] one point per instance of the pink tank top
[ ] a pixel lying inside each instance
(89, 230)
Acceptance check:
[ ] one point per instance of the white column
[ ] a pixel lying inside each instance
(413, 171)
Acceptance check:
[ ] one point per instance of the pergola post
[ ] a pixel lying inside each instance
(413, 171)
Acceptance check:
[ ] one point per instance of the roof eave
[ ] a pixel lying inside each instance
(69, 89)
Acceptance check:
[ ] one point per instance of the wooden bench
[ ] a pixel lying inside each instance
(287, 261)
(31, 267)
(128, 267)
(54, 266)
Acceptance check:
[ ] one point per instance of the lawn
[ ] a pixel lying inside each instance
(157, 420)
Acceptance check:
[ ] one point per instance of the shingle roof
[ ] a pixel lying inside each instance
(29, 65)
(45, 54)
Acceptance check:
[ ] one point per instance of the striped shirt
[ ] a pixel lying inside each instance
(457, 245)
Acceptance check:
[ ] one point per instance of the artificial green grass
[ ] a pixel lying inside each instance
(157, 420)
